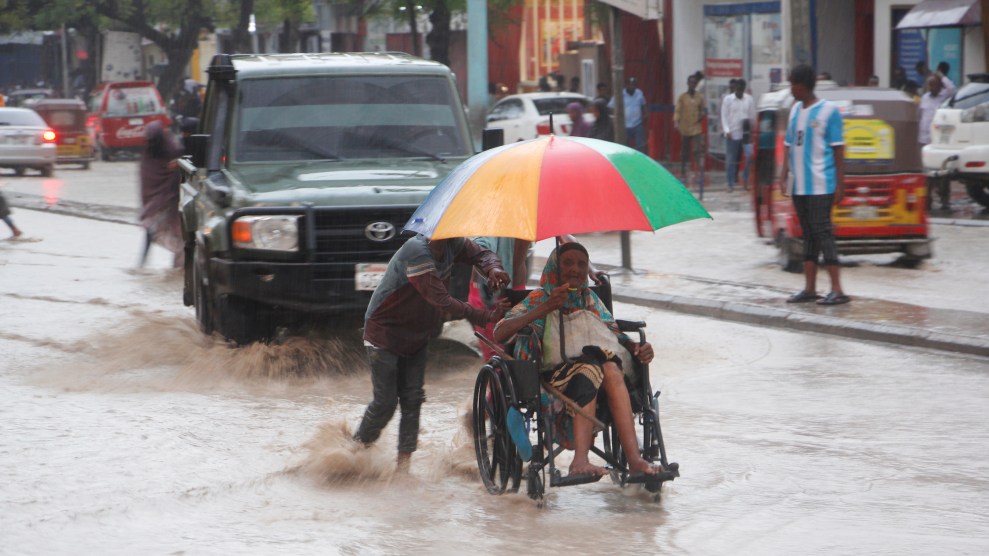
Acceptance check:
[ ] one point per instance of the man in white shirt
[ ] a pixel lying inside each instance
(938, 90)
(736, 110)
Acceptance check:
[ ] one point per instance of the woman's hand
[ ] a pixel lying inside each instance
(557, 299)
(643, 352)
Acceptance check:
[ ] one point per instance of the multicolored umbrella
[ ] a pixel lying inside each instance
(552, 186)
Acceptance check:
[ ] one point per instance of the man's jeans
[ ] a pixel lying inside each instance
(394, 379)
(732, 149)
(635, 137)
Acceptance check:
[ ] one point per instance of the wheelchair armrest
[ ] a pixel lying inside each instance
(630, 325)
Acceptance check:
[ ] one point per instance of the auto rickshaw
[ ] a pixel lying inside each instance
(68, 118)
(884, 209)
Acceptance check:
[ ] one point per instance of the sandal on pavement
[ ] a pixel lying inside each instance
(803, 296)
(834, 299)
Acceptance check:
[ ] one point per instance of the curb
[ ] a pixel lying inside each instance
(789, 320)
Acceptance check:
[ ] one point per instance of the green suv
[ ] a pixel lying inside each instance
(304, 170)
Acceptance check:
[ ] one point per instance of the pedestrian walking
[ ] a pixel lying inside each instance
(5, 216)
(405, 310)
(160, 193)
(736, 109)
(936, 94)
(815, 150)
(636, 115)
(603, 128)
(688, 116)
(578, 126)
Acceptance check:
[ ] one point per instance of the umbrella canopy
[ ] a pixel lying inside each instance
(552, 186)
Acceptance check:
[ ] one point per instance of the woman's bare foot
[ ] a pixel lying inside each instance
(586, 468)
(644, 467)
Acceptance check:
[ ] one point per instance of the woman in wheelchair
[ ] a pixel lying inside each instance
(590, 329)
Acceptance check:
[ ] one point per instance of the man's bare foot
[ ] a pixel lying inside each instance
(17, 233)
(644, 467)
(586, 468)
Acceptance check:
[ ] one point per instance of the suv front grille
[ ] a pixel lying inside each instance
(340, 233)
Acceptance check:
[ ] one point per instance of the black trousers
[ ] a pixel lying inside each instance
(395, 380)
(814, 213)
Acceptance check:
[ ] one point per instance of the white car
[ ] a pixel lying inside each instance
(959, 145)
(26, 141)
(526, 116)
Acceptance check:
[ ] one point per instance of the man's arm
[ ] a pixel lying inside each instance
(839, 171)
(725, 124)
(433, 290)
(486, 261)
(785, 173)
(677, 110)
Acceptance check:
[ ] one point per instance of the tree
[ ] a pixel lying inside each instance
(440, 14)
(173, 25)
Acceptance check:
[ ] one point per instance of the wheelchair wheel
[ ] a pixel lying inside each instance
(497, 459)
(613, 449)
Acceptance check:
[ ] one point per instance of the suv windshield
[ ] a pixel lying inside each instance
(969, 96)
(355, 116)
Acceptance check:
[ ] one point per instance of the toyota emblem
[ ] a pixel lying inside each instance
(379, 231)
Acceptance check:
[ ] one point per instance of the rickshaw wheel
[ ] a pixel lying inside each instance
(85, 165)
(47, 171)
(497, 459)
(788, 261)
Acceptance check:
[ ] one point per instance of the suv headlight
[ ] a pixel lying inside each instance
(978, 113)
(270, 232)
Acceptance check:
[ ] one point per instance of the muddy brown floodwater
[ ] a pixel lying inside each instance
(145, 437)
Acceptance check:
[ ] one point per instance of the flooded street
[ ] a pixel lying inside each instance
(123, 430)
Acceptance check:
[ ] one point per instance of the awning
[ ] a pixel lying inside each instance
(942, 13)
(645, 9)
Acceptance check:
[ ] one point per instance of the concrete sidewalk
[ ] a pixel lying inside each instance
(863, 318)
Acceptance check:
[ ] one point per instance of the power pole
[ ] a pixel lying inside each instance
(618, 86)
(985, 34)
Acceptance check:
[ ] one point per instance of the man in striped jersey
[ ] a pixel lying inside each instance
(815, 151)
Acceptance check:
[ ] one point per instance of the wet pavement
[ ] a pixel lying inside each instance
(701, 288)
(124, 430)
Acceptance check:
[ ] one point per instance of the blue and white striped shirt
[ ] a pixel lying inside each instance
(812, 134)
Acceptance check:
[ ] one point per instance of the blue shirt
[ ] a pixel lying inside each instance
(812, 134)
(634, 105)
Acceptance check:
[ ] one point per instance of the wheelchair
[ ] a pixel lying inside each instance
(504, 385)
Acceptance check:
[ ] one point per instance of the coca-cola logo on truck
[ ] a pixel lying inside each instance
(130, 132)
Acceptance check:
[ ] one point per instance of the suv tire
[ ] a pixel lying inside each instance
(202, 294)
(978, 191)
(789, 261)
(240, 320)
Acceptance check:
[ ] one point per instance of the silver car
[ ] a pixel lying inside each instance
(26, 141)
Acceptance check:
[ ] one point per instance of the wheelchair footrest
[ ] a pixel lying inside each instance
(672, 472)
(574, 480)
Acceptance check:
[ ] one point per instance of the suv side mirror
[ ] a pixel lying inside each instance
(491, 138)
(196, 146)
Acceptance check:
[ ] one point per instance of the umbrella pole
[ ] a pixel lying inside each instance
(559, 281)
